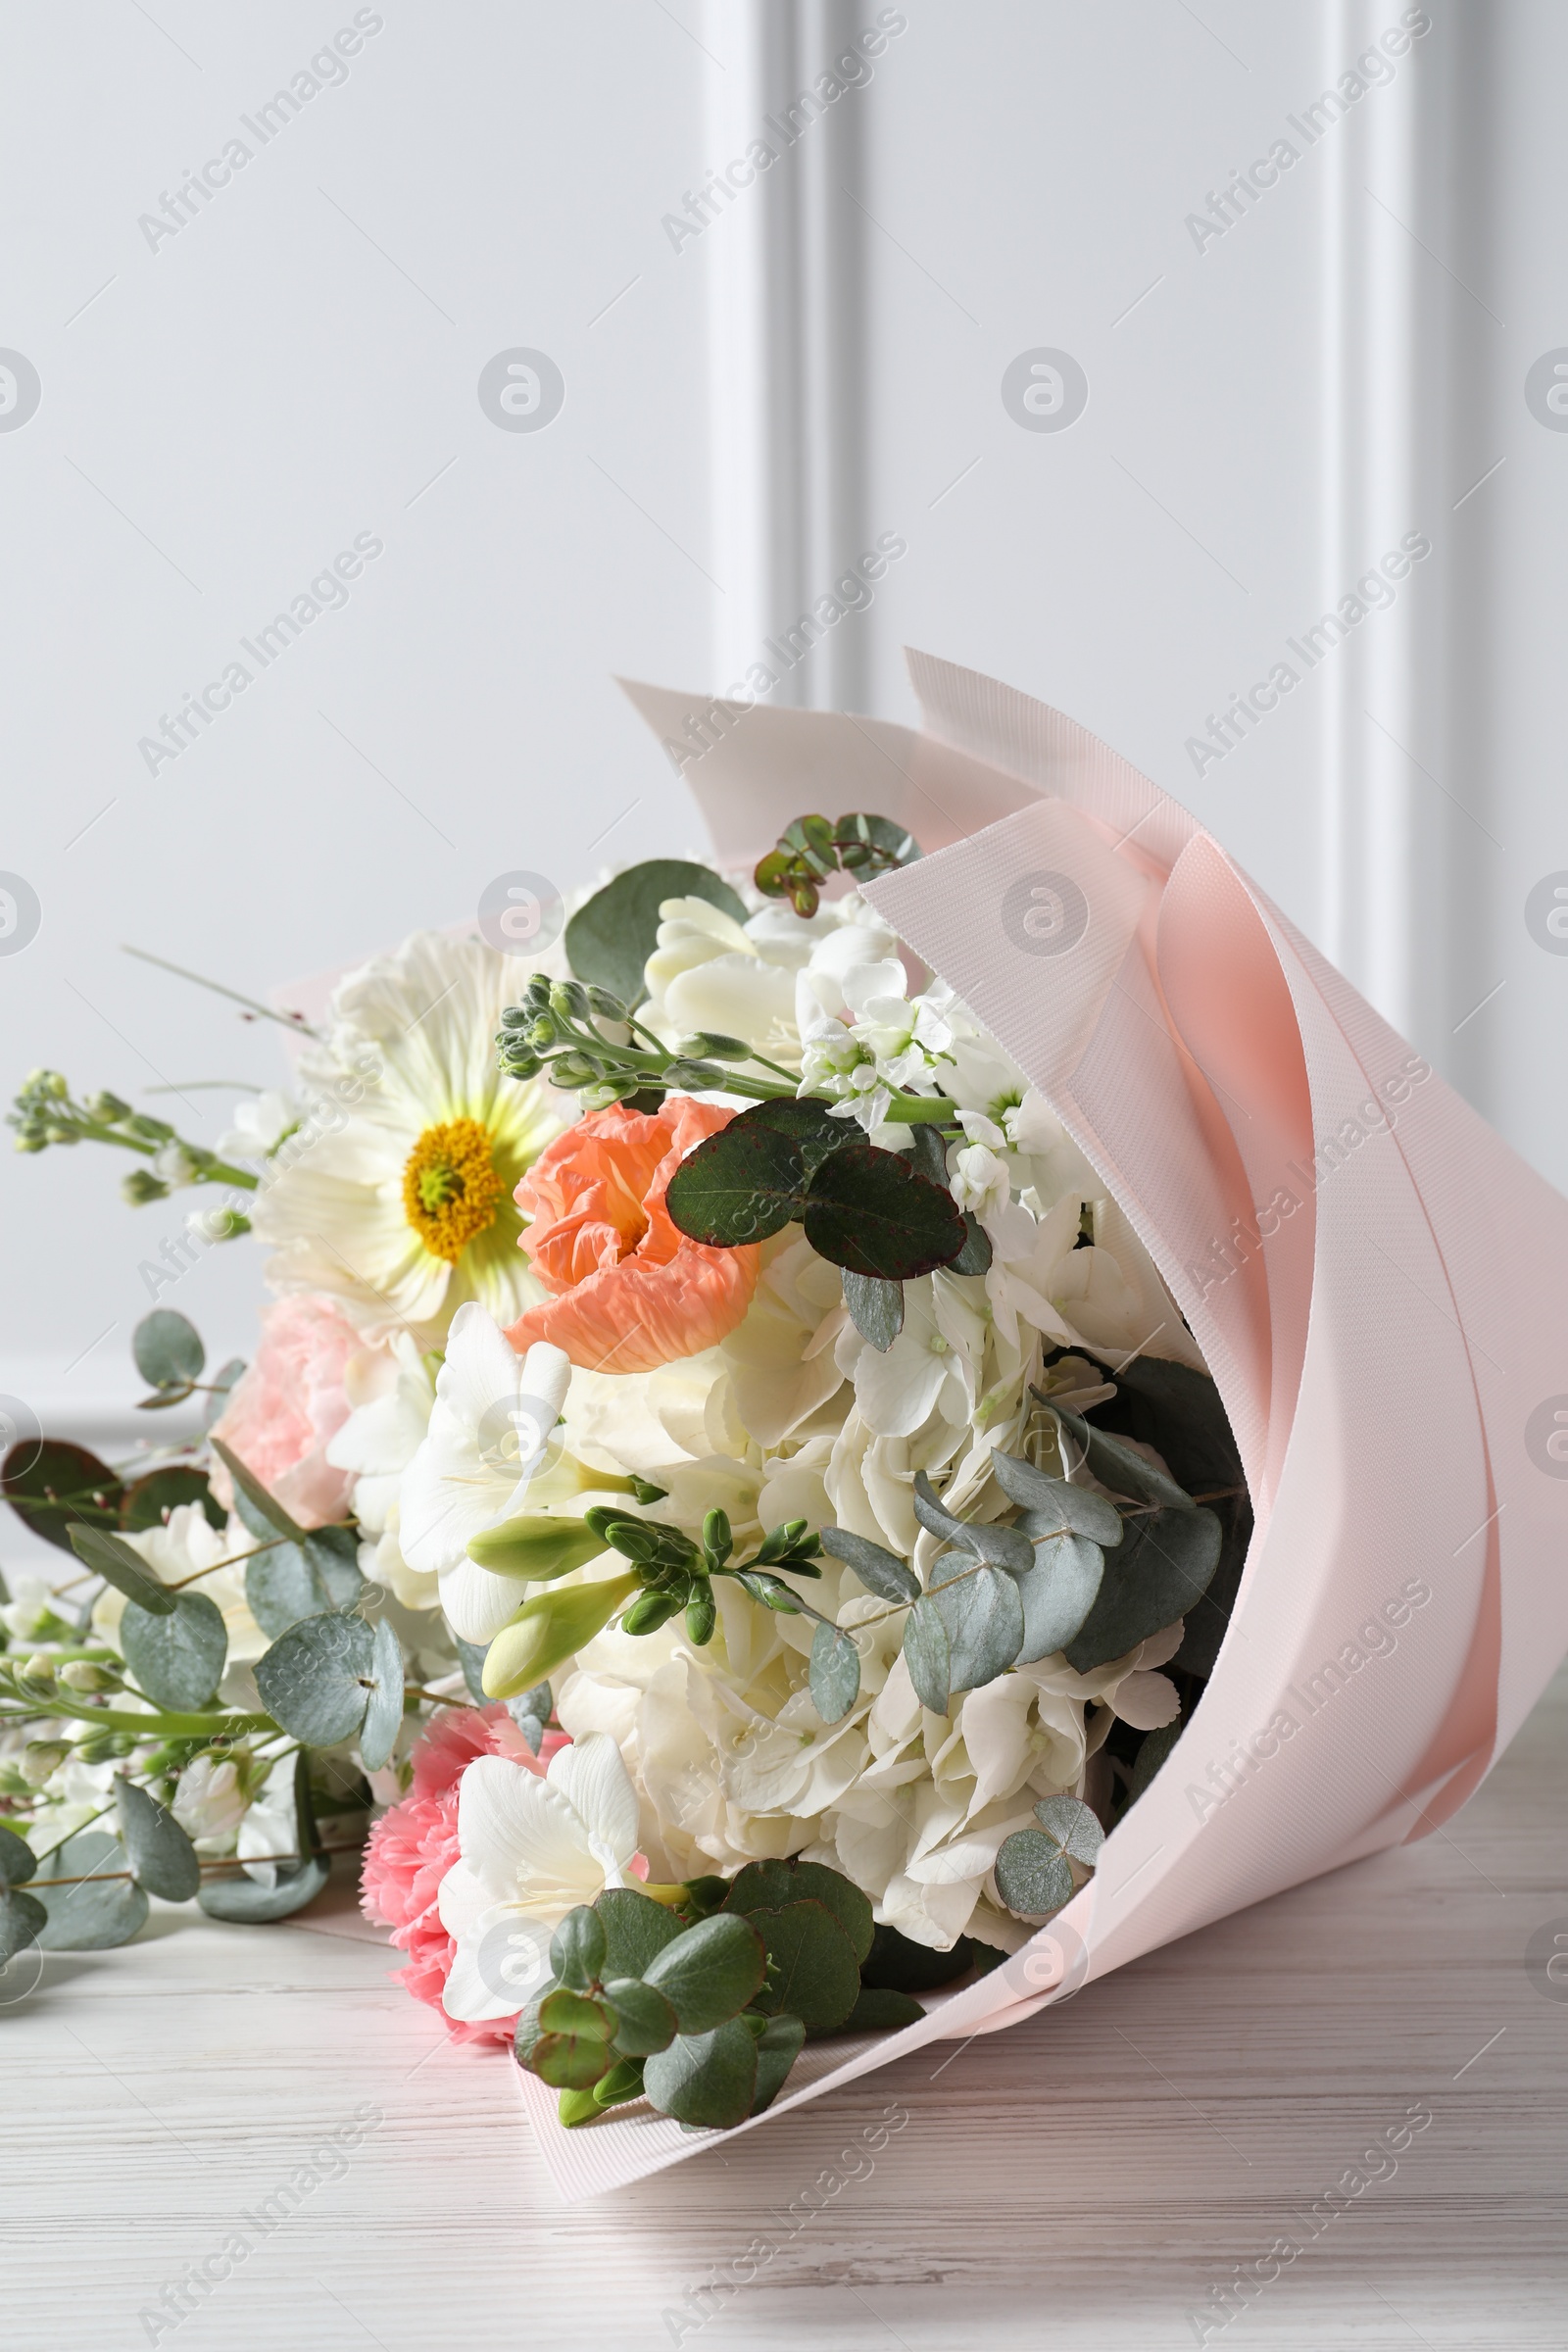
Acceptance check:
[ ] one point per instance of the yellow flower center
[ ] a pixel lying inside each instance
(451, 1191)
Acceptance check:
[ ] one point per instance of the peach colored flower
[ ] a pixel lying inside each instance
(630, 1290)
(286, 1407)
(413, 1846)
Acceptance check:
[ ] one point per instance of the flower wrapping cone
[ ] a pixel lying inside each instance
(1388, 1349)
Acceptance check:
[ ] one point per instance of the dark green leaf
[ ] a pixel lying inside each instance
(177, 1655)
(809, 1124)
(1073, 1826)
(111, 1557)
(609, 940)
(563, 2011)
(975, 1255)
(1151, 1754)
(102, 1912)
(778, 2046)
(771, 1885)
(149, 1501)
(1057, 1593)
(869, 1210)
(835, 1673)
(881, 2010)
(570, 2061)
(17, 1861)
(899, 1963)
(1116, 1465)
(157, 1849)
(531, 1711)
(312, 1679)
(929, 1655)
(1178, 1411)
(265, 1516)
(50, 1484)
(645, 2020)
(1033, 1876)
(814, 1973)
(707, 2081)
(245, 1903)
(168, 1349)
(23, 1918)
(741, 1185)
(383, 1716)
(1209, 1621)
(710, 1972)
(880, 1571)
(1158, 1572)
(982, 1609)
(636, 1931)
(528, 2028)
(577, 1949)
(876, 1309)
(1052, 1507)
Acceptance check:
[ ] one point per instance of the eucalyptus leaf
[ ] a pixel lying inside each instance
(531, 1711)
(150, 1499)
(563, 2011)
(23, 1918)
(636, 1931)
(245, 1903)
(1073, 1826)
(1151, 1754)
(778, 2046)
(334, 1554)
(975, 1255)
(771, 1885)
(1117, 1465)
(741, 1185)
(168, 1349)
(881, 1572)
(104, 1910)
(50, 1484)
(929, 1655)
(1033, 1875)
(383, 1715)
(1159, 1572)
(813, 1970)
(17, 1862)
(577, 1951)
(809, 1125)
(157, 1849)
(609, 940)
(219, 1386)
(876, 1309)
(869, 1210)
(282, 1585)
(835, 1673)
(645, 2020)
(312, 1679)
(878, 2009)
(471, 1657)
(1052, 1507)
(899, 1963)
(111, 1557)
(1178, 1411)
(982, 1609)
(275, 1518)
(570, 2061)
(710, 1972)
(177, 1656)
(707, 2081)
(1057, 1593)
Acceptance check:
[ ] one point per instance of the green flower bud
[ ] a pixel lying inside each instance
(142, 1186)
(702, 1615)
(61, 1135)
(604, 1005)
(717, 1046)
(516, 1016)
(537, 1548)
(649, 1612)
(569, 1000)
(543, 1033)
(695, 1076)
(42, 1757)
(548, 1630)
(718, 1540)
(82, 1674)
(38, 1668)
(55, 1084)
(108, 1108)
(575, 1070)
(31, 1139)
(150, 1130)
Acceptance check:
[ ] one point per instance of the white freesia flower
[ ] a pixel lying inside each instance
(396, 1192)
(489, 1436)
(533, 1848)
(392, 1397)
(185, 1549)
(259, 1126)
(211, 1798)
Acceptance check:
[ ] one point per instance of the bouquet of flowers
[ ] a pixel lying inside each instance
(748, 1473)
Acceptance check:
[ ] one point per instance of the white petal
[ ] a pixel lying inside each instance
(521, 1835)
(461, 1898)
(594, 1780)
(481, 1367)
(500, 1961)
(476, 1602)
(1147, 1700)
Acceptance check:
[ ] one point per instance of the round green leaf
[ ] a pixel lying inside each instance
(741, 1185)
(771, 1885)
(157, 1849)
(1117, 1465)
(880, 1571)
(710, 1972)
(383, 1715)
(881, 2010)
(929, 1655)
(1054, 1507)
(218, 1386)
(636, 1930)
(1073, 1826)
(835, 1673)
(982, 1609)
(876, 1309)
(17, 1862)
(707, 2081)
(645, 2020)
(50, 1484)
(577, 1949)
(23, 1918)
(177, 1658)
(1057, 1593)
(149, 1501)
(577, 2013)
(814, 1974)
(101, 1911)
(609, 940)
(570, 2061)
(1161, 1568)
(262, 1513)
(282, 1587)
(778, 2046)
(246, 1903)
(1033, 1876)
(168, 1349)
(312, 1681)
(869, 1210)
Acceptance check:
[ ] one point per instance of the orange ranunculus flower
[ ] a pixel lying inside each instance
(631, 1292)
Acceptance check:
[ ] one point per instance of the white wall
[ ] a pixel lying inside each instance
(822, 364)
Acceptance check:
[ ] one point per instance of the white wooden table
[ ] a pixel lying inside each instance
(1080, 2182)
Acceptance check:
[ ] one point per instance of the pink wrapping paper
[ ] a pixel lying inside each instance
(1387, 1345)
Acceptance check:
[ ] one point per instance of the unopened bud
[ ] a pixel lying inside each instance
(41, 1758)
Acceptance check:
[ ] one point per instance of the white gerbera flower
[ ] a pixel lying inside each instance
(395, 1193)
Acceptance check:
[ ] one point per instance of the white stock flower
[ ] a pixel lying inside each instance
(212, 1797)
(532, 1848)
(489, 1436)
(392, 1397)
(766, 980)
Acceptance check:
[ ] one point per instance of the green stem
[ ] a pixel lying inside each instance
(64, 1709)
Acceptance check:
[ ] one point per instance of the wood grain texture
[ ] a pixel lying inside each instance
(1080, 2181)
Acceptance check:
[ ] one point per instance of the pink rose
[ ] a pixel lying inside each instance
(285, 1408)
(413, 1846)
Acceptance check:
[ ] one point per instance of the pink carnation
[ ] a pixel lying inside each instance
(285, 1410)
(413, 1846)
